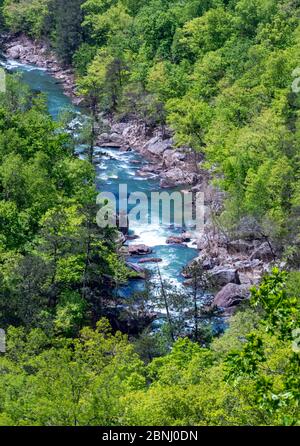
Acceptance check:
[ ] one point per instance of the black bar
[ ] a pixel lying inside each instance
(136, 435)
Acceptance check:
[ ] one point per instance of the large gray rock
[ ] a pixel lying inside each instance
(150, 260)
(223, 276)
(231, 296)
(156, 146)
(119, 127)
(179, 239)
(239, 246)
(139, 250)
(150, 168)
(172, 158)
(202, 242)
(15, 52)
(247, 265)
(177, 177)
(264, 253)
(104, 137)
(115, 137)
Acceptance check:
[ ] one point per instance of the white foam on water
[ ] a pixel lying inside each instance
(141, 178)
(111, 152)
(11, 64)
(125, 166)
(150, 235)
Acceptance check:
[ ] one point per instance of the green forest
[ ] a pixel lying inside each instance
(224, 75)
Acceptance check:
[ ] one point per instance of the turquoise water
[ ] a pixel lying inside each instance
(39, 80)
(113, 168)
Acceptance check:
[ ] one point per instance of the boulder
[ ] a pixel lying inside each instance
(119, 128)
(15, 52)
(172, 158)
(179, 239)
(263, 252)
(188, 283)
(115, 137)
(174, 240)
(202, 242)
(239, 246)
(149, 168)
(186, 236)
(144, 174)
(150, 260)
(139, 250)
(245, 265)
(208, 264)
(177, 177)
(156, 146)
(231, 296)
(104, 137)
(222, 276)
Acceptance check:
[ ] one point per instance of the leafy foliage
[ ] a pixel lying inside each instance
(220, 74)
(55, 260)
(249, 376)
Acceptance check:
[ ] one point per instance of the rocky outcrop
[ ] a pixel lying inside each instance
(139, 250)
(174, 166)
(264, 253)
(251, 258)
(37, 53)
(156, 146)
(222, 276)
(231, 296)
(150, 260)
(177, 177)
(240, 246)
(179, 239)
(149, 170)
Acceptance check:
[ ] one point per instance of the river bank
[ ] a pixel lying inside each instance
(27, 51)
(234, 265)
(175, 167)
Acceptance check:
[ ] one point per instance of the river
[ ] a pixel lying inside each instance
(113, 168)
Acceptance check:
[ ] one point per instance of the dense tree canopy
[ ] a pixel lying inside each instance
(249, 376)
(224, 76)
(55, 260)
(221, 70)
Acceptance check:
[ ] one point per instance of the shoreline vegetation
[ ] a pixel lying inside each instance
(204, 92)
(239, 262)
